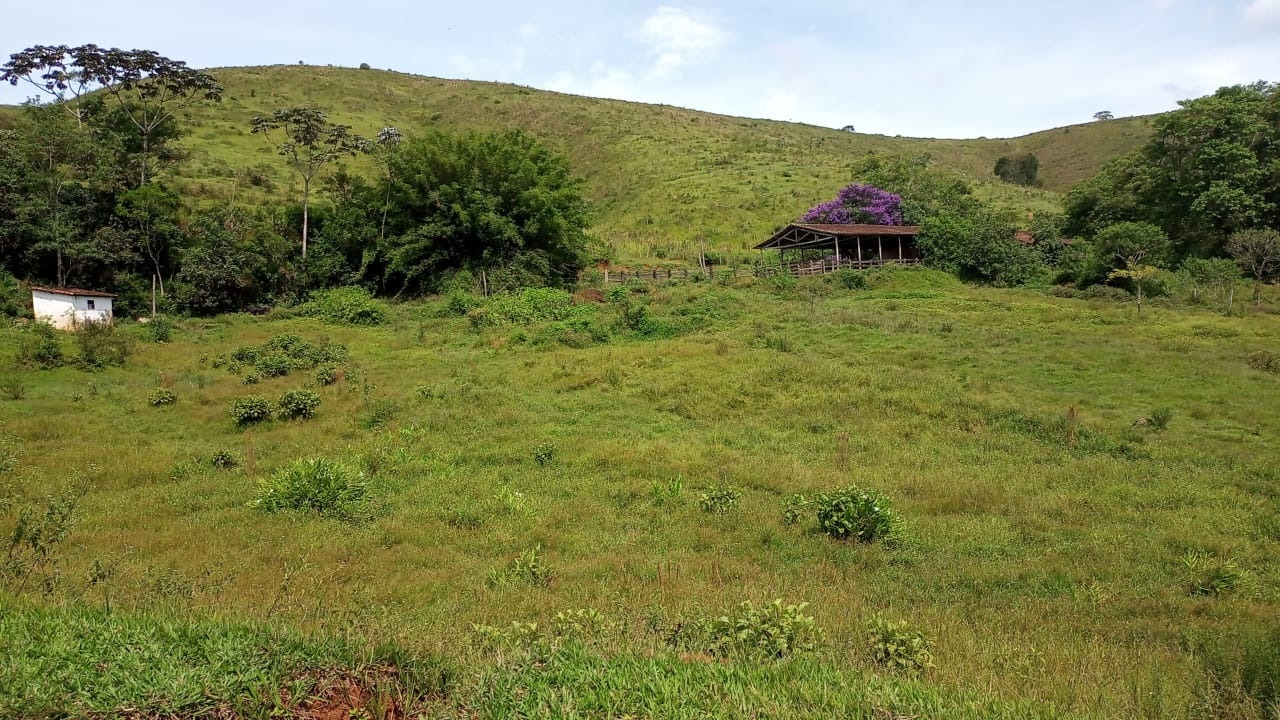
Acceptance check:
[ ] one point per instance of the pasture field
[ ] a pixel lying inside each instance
(1089, 504)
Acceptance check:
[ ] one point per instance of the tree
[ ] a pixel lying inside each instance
(309, 143)
(502, 204)
(387, 140)
(1141, 247)
(1103, 115)
(150, 212)
(858, 203)
(1018, 169)
(149, 88)
(1257, 251)
(849, 129)
(1217, 274)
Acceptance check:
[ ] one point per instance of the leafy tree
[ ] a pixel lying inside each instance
(849, 129)
(387, 140)
(858, 203)
(1104, 115)
(1141, 248)
(150, 212)
(480, 202)
(1018, 169)
(149, 89)
(1257, 251)
(309, 143)
(235, 259)
(1217, 274)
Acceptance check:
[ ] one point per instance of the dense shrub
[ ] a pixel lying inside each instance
(223, 460)
(851, 279)
(100, 346)
(855, 514)
(161, 397)
(39, 346)
(898, 646)
(297, 404)
(461, 302)
(346, 306)
(774, 631)
(718, 500)
(250, 409)
(325, 487)
(1264, 360)
(161, 329)
(524, 307)
(327, 374)
(273, 365)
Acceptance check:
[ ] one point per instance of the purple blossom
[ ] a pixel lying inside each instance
(858, 204)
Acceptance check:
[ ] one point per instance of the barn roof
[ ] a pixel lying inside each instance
(818, 235)
(78, 292)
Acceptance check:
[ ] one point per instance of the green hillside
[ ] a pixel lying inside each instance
(661, 177)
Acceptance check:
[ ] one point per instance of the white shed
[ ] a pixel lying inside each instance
(65, 308)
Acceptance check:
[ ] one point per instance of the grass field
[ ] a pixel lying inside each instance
(1088, 497)
(661, 179)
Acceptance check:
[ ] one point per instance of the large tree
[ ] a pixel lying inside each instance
(1257, 250)
(309, 142)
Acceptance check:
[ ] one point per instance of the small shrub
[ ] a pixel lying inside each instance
(1160, 418)
(273, 365)
(1264, 360)
(528, 568)
(327, 375)
(774, 631)
(317, 485)
(251, 378)
(161, 397)
(617, 294)
(250, 409)
(100, 346)
(1104, 292)
(898, 646)
(580, 624)
(783, 282)
(297, 404)
(1210, 576)
(795, 508)
(13, 386)
(161, 329)
(461, 302)
(853, 513)
(345, 306)
(663, 493)
(40, 347)
(718, 500)
(544, 454)
(381, 412)
(223, 460)
(851, 279)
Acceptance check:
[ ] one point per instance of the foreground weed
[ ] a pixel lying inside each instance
(325, 487)
(898, 646)
(718, 499)
(855, 514)
(529, 568)
(773, 631)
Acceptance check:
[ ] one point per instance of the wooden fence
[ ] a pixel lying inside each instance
(802, 268)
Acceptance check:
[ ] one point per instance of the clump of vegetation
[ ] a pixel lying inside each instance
(1264, 360)
(544, 454)
(580, 624)
(282, 354)
(40, 347)
(898, 646)
(161, 329)
(223, 460)
(345, 306)
(1210, 576)
(100, 346)
(855, 514)
(12, 385)
(327, 488)
(161, 397)
(528, 568)
(850, 279)
(272, 365)
(795, 508)
(251, 378)
(297, 404)
(380, 412)
(327, 375)
(774, 631)
(524, 307)
(1244, 670)
(719, 499)
(250, 409)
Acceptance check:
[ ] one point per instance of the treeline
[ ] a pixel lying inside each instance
(85, 198)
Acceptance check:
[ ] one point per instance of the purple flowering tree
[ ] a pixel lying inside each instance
(858, 204)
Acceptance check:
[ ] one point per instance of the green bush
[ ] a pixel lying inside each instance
(345, 306)
(99, 346)
(524, 307)
(853, 513)
(774, 631)
(325, 487)
(617, 294)
(161, 329)
(253, 377)
(327, 374)
(1160, 418)
(1264, 360)
(40, 347)
(223, 460)
(297, 404)
(795, 508)
(544, 454)
(898, 646)
(851, 279)
(161, 397)
(718, 500)
(273, 365)
(250, 409)
(529, 568)
(461, 302)
(381, 412)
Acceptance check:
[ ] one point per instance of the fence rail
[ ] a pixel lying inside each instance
(803, 268)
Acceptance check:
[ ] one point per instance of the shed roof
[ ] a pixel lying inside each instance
(818, 235)
(77, 292)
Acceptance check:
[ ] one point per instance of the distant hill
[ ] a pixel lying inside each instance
(660, 177)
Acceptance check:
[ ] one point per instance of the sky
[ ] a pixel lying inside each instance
(918, 69)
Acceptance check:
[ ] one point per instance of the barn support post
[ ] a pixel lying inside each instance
(859, 241)
(837, 251)
(880, 249)
(899, 248)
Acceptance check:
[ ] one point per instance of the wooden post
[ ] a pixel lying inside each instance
(859, 251)
(899, 248)
(153, 295)
(837, 251)
(880, 249)
(606, 277)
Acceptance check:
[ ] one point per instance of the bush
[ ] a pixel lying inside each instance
(13, 386)
(1160, 417)
(223, 460)
(774, 631)
(250, 409)
(461, 302)
(40, 347)
(324, 487)
(524, 307)
(100, 346)
(718, 500)
(851, 279)
(617, 294)
(251, 378)
(898, 646)
(297, 404)
(1264, 360)
(161, 329)
(544, 454)
(327, 374)
(345, 306)
(1104, 292)
(161, 397)
(795, 508)
(853, 513)
(528, 568)
(273, 365)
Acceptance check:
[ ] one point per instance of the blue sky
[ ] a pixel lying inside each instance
(938, 69)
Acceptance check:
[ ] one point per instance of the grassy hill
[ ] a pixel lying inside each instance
(661, 177)
(1087, 496)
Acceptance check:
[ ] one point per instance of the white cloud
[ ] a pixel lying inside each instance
(678, 37)
(1262, 14)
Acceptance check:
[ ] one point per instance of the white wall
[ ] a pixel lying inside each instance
(66, 311)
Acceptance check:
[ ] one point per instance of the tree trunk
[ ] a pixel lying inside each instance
(306, 204)
(145, 150)
(1257, 291)
(1139, 284)
(382, 233)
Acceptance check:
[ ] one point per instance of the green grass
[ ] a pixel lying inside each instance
(1042, 555)
(662, 179)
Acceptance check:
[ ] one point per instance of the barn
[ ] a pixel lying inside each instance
(837, 246)
(66, 308)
